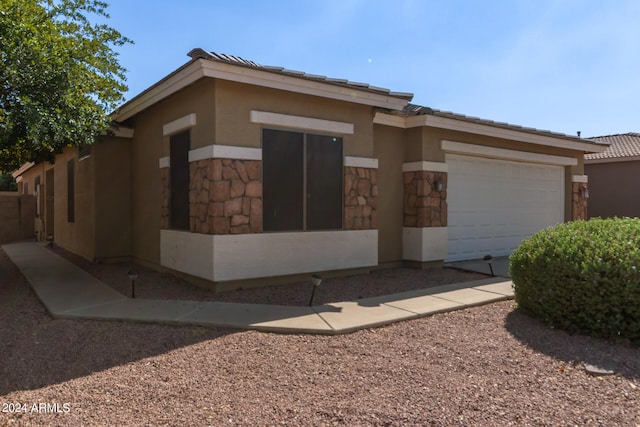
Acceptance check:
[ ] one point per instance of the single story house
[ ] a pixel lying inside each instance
(613, 177)
(228, 171)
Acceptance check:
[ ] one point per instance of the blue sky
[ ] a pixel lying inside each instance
(561, 65)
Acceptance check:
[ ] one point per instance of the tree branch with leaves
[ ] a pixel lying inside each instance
(60, 77)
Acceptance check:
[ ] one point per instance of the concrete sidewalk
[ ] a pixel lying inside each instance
(71, 293)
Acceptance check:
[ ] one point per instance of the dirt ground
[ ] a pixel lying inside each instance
(488, 365)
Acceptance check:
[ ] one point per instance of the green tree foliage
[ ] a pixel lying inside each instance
(7, 182)
(59, 77)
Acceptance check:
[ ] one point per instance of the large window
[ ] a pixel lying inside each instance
(180, 145)
(302, 181)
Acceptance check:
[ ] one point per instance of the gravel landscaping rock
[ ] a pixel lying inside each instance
(154, 285)
(488, 365)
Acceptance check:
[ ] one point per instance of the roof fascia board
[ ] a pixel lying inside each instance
(169, 85)
(482, 129)
(612, 160)
(390, 120)
(464, 148)
(25, 167)
(294, 84)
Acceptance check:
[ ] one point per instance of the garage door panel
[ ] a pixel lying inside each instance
(494, 204)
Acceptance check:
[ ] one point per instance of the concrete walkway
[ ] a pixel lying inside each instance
(69, 292)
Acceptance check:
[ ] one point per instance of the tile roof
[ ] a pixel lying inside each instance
(235, 60)
(417, 110)
(622, 145)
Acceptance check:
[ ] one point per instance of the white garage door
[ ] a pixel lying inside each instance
(494, 204)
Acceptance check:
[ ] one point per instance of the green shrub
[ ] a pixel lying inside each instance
(583, 277)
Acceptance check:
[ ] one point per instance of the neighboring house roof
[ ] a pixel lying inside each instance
(198, 53)
(623, 147)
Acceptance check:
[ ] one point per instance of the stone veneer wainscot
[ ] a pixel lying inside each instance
(360, 198)
(423, 206)
(225, 196)
(579, 201)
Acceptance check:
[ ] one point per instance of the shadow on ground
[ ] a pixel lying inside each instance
(36, 350)
(620, 357)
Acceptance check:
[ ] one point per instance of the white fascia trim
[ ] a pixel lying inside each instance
(184, 122)
(217, 151)
(612, 160)
(171, 84)
(19, 179)
(580, 178)
(294, 84)
(506, 154)
(164, 162)
(425, 166)
(360, 162)
(299, 122)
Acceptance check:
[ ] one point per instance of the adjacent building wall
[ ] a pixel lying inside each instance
(16, 216)
(113, 198)
(613, 189)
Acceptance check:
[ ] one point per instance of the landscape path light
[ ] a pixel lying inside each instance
(315, 280)
(133, 276)
(488, 259)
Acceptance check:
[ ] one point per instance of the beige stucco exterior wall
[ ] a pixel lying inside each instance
(146, 149)
(389, 148)
(235, 101)
(78, 236)
(113, 198)
(613, 189)
(222, 112)
(101, 227)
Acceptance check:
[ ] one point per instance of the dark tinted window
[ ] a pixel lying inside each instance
(282, 181)
(302, 181)
(179, 180)
(324, 182)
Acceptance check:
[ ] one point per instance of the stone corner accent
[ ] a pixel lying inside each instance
(578, 201)
(360, 198)
(225, 196)
(423, 206)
